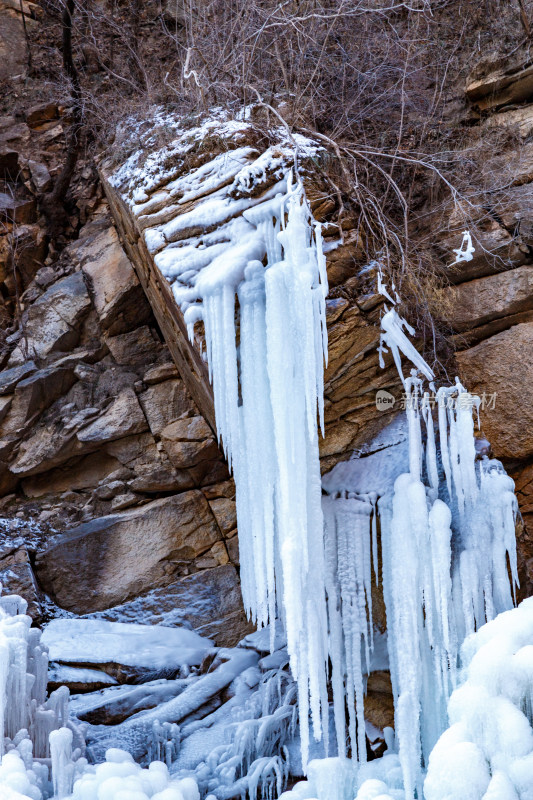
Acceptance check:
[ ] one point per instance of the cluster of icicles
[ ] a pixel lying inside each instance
(266, 393)
(29, 722)
(446, 535)
(41, 749)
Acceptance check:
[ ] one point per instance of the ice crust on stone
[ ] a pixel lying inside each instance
(239, 747)
(90, 641)
(248, 758)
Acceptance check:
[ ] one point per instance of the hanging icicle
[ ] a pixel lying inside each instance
(447, 535)
(267, 394)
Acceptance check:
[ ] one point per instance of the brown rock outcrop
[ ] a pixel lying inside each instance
(491, 304)
(505, 82)
(117, 294)
(53, 322)
(81, 429)
(502, 367)
(523, 478)
(501, 295)
(112, 559)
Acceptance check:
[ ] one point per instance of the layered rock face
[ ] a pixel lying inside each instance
(193, 193)
(101, 438)
(491, 303)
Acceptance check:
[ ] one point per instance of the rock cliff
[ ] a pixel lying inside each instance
(114, 492)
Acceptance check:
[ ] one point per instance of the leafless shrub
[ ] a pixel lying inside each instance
(370, 78)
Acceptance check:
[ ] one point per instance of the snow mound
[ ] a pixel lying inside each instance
(120, 778)
(487, 752)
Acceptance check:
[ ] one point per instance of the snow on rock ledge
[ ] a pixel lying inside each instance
(189, 201)
(88, 641)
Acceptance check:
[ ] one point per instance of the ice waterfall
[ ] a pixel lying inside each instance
(447, 533)
(267, 391)
(446, 545)
(448, 537)
(447, 542)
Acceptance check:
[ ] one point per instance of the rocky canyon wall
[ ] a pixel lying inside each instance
(115, 498)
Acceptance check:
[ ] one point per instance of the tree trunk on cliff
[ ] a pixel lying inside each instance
(53, 202)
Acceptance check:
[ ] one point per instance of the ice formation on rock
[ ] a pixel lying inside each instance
(446, 542)
(27, 717)
(448, 552)
(487, 752)
(23, 679)
(256, 278)
(466, 250)
(92, 641)
(447, 536)
(251, 760)
(266, 358)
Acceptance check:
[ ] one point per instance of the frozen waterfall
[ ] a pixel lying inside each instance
(446, 545)
(448, 554)
(267, 391)
(439, 545)
(447, 532)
